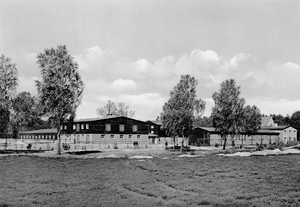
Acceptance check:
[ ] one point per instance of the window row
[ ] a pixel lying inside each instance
(38, 136)
(79, 127)
(121, 136)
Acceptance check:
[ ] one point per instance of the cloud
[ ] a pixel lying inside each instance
(145, 85)
(122, 84)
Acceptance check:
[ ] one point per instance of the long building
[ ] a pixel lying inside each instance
(106, 133)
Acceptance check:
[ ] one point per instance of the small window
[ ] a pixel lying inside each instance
(74, 126)
(87, 138)
(122, 127)
(65, 127)
(112, 136)
(121, 136)
(42, 136)
(78, 127)
(284, 130)
(82, 126)
(138, 136)
(290, 138)
(134, 128)
(107, 127)
(152, 132)
(130, 136)
(102, 136)
(152, 127)
(87, 126)
(61, 127)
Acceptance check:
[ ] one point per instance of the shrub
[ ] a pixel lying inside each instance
(291, 143)
(216, 145)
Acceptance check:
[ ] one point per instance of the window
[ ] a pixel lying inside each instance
(107, 127)
(42, 136)
(290, 138)
(78, 127)
(87, 126)
(82, 126)
(138, 136)
(87, 138)
(121, 136)
(122, 127)
(74, 126)
(130, 136)
(112, 136)
(152, 127)
(61, 127)
(134, 128)
(152, 132)
(102, 136)
(65, 127)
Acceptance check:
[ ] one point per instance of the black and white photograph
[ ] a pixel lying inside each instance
(149, 103)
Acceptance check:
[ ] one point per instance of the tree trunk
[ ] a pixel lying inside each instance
(225, 139)
(59, 141)
(182, 141)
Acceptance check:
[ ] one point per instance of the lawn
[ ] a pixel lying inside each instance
(170, 181)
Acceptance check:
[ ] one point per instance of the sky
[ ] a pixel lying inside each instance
(135, 51)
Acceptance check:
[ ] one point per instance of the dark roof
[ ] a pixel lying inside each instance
(261, 131)
(103, 118)
(281, 127)
(155, 122)
(209, 129)
(40, 131)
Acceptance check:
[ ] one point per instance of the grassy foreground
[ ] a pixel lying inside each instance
(207, 181)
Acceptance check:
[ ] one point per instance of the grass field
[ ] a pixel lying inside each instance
(166, 181)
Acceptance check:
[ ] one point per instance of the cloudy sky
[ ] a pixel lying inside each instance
(134, 51)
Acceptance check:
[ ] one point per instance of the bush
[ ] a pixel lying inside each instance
(291, 143)
(216, 145)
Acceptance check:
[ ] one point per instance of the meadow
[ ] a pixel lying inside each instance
(210, 180)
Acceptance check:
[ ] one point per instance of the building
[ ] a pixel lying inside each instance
(208, 136)
(106, 133)
(39, 135)
(270, 132)
(156, 132)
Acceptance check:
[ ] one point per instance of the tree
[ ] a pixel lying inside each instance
(295, 122)
(112, 109)
(182, 108)
(228, 109)
(251, 120)
(26, 114)
(60, 90)
(8, 87)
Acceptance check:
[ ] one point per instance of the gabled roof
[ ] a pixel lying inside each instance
(265, 120)
(155, 122)
(103, 118)
(40, 131)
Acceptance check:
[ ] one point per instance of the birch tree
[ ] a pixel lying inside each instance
(182, 108)
(60, 89)
(8, 87)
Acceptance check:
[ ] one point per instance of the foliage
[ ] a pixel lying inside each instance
(113, 109)
(228, 109)
(60, 90)
(8, 81)
(280, 119)
(8, 87)
(251, 119)
(182, 108)
(203, 122)
(26, 114)
(295, 122)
